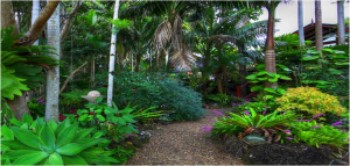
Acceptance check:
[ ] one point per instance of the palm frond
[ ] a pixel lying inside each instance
(162, 35)
(183, 59)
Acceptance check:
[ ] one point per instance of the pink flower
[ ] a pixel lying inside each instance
(317, 116)
(218, 113)
(246, 112)
(207, 128)
(337, 123)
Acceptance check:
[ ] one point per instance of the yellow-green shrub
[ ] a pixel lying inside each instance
(309, 100)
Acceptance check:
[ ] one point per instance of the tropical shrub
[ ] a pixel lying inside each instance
(150, 89)
(309, 100)
(327, 70)
(49, 143)
(261, 77)
(259, 107)
(221, 99)
(115, 122)
(316, 134)
(270, 126)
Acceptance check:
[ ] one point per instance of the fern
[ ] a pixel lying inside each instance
(11, 85)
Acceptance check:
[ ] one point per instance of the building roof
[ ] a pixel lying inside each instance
(328, 30)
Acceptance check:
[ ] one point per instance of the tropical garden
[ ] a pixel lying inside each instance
(170, 82)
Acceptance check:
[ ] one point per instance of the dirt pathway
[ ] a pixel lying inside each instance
(184, 143)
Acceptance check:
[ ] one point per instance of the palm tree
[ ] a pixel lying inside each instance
(341, 24)
(53, 75)
(168, 37)
(112, 56)
(233, 31)
(318, 27)
(270, 55)
(35, 14)
(301, 23)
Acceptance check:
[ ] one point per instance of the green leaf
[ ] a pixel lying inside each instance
(272, 80)
(11, 85)
(121, 23)
(54, 159)
(251, 77)
(270, 90)
(74, 160)
(67, 135)
(48, 137)
(283, 77)
(31, 158)
(71, 149)
(27, 138)
(257, 88)
(6, 133)
(128, 118)
(101, 118)
(310, 58)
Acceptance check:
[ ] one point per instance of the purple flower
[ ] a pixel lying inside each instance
(41, 100)
(218, 113)
(266, 109)
(317, 116)
(207, 128)
(246, 112)
(287, 131)
(289, 138)
(337, 123)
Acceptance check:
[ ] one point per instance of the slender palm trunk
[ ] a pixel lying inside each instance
(53, 75)
(270, 55)
(112, 55)
(341, 25)
(301, 23)
(318, 27)
(35, 14)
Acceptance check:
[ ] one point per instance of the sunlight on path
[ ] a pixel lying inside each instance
(184, 143)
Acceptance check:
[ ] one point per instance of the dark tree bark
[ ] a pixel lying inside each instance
(318, 27)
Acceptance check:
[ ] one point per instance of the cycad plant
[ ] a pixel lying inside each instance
(271, 126)
(48, 143)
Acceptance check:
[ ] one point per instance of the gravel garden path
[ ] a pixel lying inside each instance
(183, 143)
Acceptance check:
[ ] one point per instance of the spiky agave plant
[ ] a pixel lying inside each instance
(48, 143)
(270, 126)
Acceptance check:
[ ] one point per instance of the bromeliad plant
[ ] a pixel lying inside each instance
(48, 143)
(271, 126)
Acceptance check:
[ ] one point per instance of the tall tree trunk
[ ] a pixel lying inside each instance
(8, 16)
(35, 15)
(92, 72)
(341, 25)
(112, 56)
(270, 55)
(18, 105)
(53, 75)
(301, 23)
(35, 30)
(318, 27)
(138, 62)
